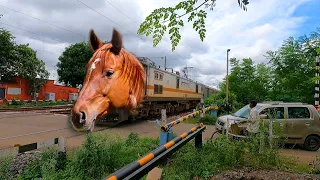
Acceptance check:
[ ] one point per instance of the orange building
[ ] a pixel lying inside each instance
(17, 88)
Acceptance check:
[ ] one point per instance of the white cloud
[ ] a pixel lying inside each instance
(248, 34)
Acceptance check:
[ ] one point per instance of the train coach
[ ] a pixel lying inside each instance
(163, 90)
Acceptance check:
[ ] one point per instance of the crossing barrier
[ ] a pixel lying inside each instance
(139, 168)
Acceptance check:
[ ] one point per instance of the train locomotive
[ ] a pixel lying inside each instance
(162, 90)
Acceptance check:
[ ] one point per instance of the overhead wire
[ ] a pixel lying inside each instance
(43, 21)
(35, 49)
(73, 31)
(115, 22)
(31, 32)
(137, 24)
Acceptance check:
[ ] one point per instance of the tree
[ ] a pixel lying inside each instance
(71, 66)
(7, 44)
(157, 23)
(293, 70)
(219, 99)
(31, 68)
(249, 81)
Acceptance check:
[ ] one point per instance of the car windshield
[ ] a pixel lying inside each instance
(244, 111)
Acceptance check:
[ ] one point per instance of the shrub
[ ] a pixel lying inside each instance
(100, 155)
(5, 162)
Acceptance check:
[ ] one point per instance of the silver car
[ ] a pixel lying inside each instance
(301, 122)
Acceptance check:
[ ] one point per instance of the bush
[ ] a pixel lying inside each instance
(100, 155)
(223, 154)
(103, 153)
(5, 163)
(207, 120)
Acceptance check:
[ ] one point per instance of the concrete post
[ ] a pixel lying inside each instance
(270, 133)
(227, 128)
(163, 116)
(62, 155)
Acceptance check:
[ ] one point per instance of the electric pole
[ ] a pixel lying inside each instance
(227, 80)
(165, 63)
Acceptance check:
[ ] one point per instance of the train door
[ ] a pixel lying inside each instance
(146, 83)
(178, 82)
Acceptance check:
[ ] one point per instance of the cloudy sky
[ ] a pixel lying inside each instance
(50, 26)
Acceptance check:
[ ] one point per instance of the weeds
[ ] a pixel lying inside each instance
(207, 120)
(102, 154)
(5, 162)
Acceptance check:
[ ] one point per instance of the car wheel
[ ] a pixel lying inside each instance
(312, 143)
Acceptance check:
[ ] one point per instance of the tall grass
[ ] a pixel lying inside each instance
(103, 153)
(207, 120)
(100, 155)
(5, 162)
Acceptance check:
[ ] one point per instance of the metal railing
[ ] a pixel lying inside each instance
(139, 168)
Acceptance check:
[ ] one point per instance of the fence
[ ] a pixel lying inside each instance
(139, 168)
(166, 133)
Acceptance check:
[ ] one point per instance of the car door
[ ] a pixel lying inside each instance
(300, 122)
(277, 116)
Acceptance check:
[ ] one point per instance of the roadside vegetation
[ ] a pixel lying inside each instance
(103, 153)
(207, 120)
(21, 104)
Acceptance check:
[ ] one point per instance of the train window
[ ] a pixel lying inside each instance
(156, 89)
(196, 88)
(156, 75)
(160, 89)
(178, 83)
(160, 76)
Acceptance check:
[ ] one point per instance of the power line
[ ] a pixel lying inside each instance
(31, 32)
(15, 33)
(35, 49)
(43, 21)
(121, 11)
(137, 24)
(114, 22)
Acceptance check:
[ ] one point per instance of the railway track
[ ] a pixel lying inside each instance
(104, 126)
(41, 108)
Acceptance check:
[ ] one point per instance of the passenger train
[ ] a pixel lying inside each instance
(163, 90)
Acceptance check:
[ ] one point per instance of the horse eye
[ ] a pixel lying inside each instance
(109, 74)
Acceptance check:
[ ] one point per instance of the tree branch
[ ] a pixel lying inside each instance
(188, 12)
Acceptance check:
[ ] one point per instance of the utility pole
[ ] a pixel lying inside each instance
(227, 81)
(165, 63)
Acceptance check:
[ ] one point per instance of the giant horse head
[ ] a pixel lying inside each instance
(114, 79)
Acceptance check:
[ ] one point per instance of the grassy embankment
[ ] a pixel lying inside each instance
(103, 153)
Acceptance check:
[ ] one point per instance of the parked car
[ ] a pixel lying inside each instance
(301, 122)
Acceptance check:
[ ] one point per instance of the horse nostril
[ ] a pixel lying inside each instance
(104, 95)
(82, 117)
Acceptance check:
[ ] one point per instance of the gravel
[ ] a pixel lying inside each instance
(21, 160)
(250, 174)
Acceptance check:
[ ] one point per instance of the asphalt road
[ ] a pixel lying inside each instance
(25, 128)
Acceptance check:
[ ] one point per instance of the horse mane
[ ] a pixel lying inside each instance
(132, 70)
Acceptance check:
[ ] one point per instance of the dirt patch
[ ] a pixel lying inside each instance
(250, 174)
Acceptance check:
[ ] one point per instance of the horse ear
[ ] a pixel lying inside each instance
(94, 40)
(116, 42)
